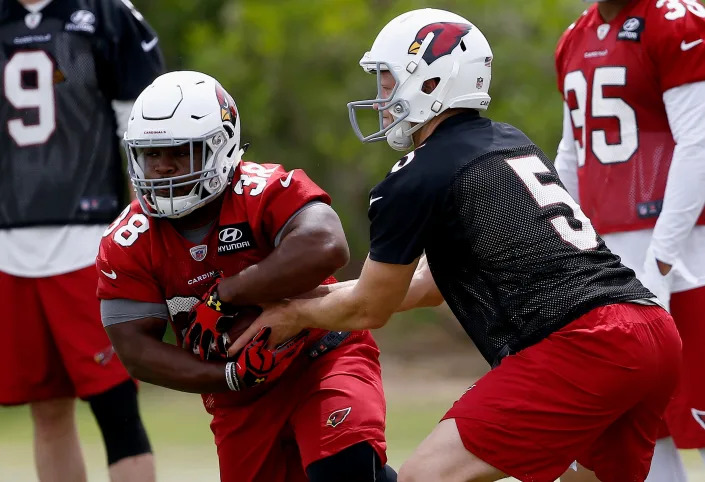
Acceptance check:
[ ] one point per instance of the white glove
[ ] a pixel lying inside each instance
(654, 281)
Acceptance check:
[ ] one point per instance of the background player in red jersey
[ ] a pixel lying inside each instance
(201, 212)
(70, 71)
(584, 360)
(632, 74)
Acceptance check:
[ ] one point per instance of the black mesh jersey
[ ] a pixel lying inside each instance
(509, 249)
(61, 68)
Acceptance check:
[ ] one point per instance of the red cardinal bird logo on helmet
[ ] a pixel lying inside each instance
(446, 37)
(227, 104)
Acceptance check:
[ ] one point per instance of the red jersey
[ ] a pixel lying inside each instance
(145, 259)
(612, 77)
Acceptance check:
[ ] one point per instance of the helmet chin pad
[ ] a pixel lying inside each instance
(175, 206)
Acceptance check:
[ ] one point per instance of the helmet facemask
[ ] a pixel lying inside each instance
(160, 197)
(398, 133)
(399, 109)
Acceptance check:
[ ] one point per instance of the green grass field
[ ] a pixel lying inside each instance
(178, 426)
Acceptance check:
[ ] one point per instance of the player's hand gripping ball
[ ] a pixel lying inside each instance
(256, 364)
(213, 324)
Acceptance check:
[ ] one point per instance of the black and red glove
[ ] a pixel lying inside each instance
(257, 364)
(208, 320)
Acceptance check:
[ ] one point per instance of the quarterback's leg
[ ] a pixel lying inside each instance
(73, 313)
(443, 457)
(544, 407)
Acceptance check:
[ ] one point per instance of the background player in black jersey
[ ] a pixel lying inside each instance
(584, 360)
(70, 70)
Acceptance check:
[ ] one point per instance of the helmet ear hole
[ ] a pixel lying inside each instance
(229, 130)
(429, 85)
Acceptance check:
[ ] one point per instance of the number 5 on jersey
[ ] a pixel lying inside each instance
(550, 194)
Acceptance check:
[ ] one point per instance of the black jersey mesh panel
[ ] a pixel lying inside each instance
(503, 268)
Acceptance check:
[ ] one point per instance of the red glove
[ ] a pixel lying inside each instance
(209, 319)
(256, 364)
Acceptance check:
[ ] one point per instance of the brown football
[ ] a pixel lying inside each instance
(243, 319)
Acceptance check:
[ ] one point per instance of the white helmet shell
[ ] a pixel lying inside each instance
(417, 46)
(176, 109)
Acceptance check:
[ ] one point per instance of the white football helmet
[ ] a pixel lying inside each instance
(415, 47)
(180, 108)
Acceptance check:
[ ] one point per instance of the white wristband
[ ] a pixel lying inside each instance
(231, 377)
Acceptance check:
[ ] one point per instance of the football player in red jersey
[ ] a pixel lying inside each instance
(632, 75)
(201, 212)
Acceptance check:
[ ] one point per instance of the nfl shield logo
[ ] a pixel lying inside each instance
(603, 30)
(199, 252)
(31, 20)
(479, 83)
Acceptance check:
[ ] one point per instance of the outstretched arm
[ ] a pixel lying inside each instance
(366, 304)
(423, 290)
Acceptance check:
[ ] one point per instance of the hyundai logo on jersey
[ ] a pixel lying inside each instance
(229, 235)
(631, 29)
(234, 238)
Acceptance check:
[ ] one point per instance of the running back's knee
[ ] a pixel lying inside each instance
(117, 414)
(357, 463)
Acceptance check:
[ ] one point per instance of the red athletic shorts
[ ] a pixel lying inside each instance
(318, 408)
(594, 391)
(685, 415)
(52, 342)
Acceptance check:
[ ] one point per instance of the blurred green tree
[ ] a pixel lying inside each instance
(292, 65)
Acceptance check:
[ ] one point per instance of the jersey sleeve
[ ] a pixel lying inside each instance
(283, 194)
(400, 212)
(559, 56)
(123, 261)
(677, 43)
(134, 58)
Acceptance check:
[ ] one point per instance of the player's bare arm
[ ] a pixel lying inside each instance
(423, 291)
(139, 345)
(366, 304)
(312, 248)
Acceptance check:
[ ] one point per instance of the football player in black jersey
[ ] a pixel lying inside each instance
(584, 359)
(70, 71)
